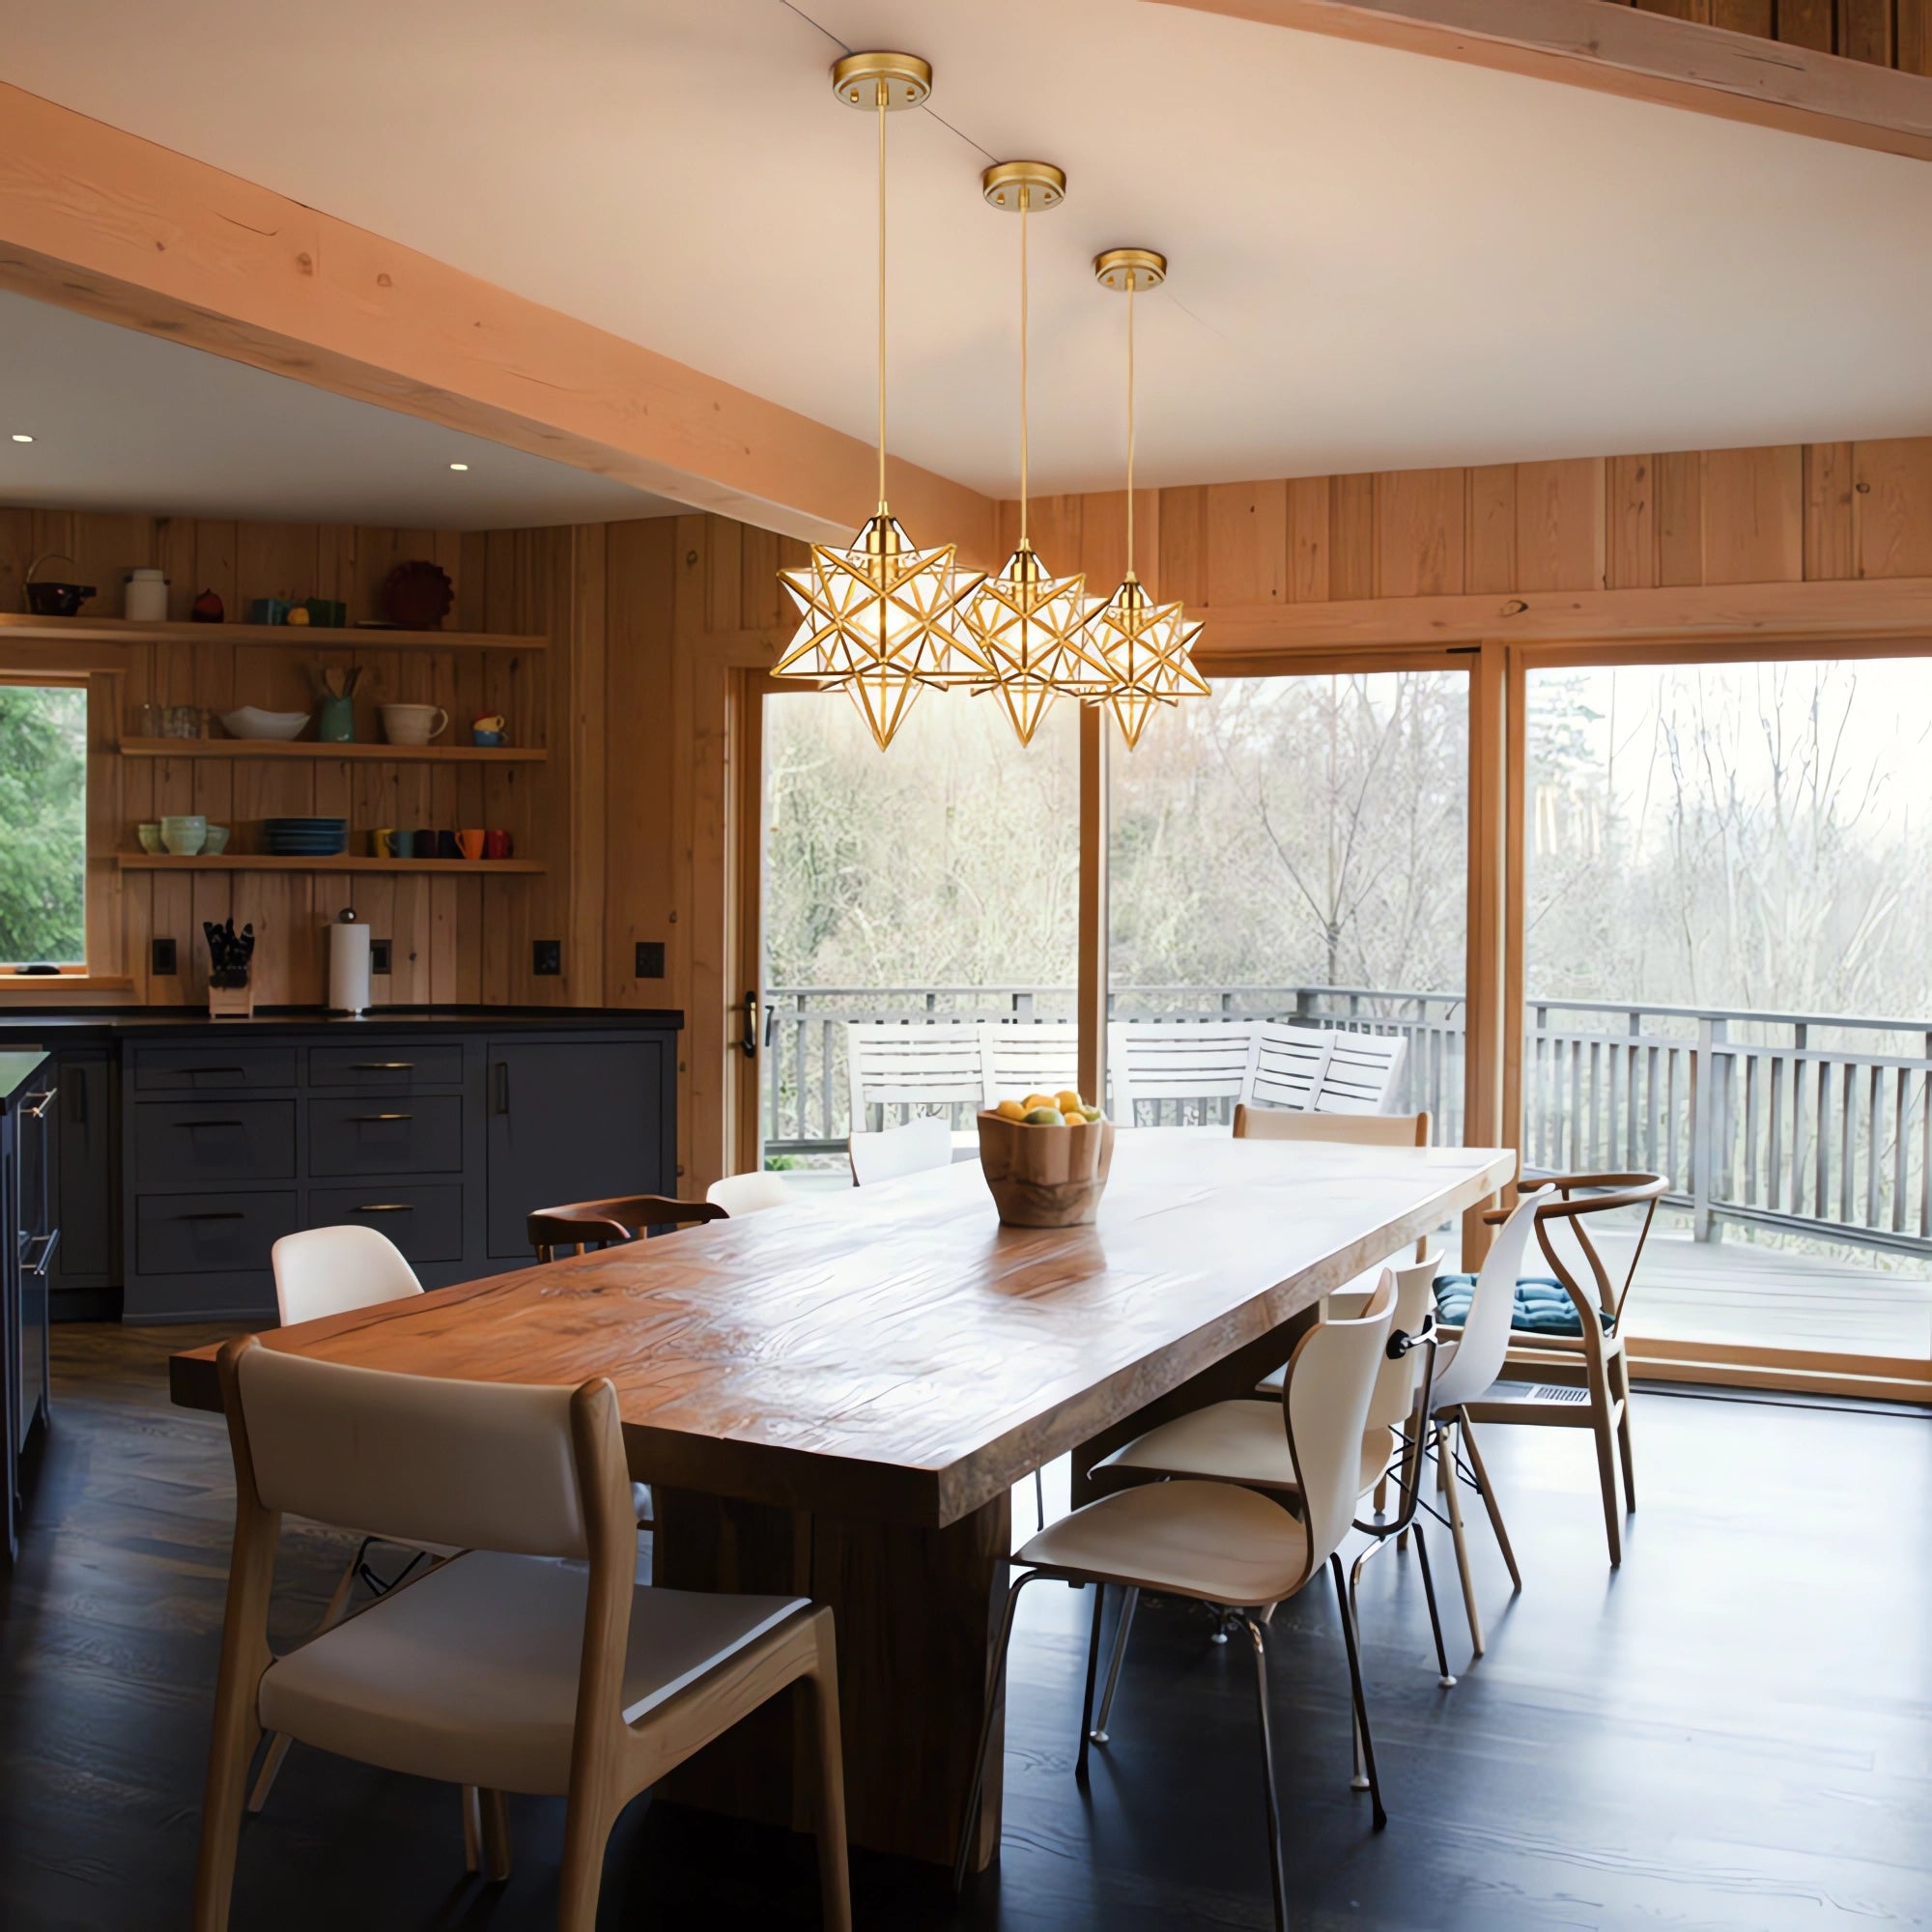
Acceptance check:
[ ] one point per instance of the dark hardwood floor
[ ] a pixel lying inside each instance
(1732, 1732)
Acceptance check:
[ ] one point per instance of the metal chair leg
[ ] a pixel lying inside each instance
(1444, 1676)
(1359, 1779)
(1040, 1498)
(1268, 1794)
(1355, 1685)
(994, 1679)
(1092, 1673)
(1121, 1629)
(1489, 1503)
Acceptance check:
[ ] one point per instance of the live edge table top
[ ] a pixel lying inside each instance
(893, 1352)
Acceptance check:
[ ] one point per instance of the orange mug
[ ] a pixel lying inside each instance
(497, 844)
(470, 843)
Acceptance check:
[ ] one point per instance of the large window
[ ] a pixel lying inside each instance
(1728, 968)
(1297, 848)
(42, 825)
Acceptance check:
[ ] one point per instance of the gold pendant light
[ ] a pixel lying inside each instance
(881, 618)
(1144, 645)
(1029, 622)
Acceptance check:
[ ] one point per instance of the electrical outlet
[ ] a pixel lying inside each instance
(162, 959)
(650, 960)
(378, 956)
(545, 957)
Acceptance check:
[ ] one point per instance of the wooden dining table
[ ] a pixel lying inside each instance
(835, 1399)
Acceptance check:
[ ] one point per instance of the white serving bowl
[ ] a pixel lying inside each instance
(251, 721)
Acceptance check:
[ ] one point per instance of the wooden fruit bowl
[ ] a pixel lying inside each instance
(1045, 1176)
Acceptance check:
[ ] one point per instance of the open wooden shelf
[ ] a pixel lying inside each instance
(315, 637)
(269, 862)
(303, 748)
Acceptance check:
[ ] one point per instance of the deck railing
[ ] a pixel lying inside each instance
(1817, 1124)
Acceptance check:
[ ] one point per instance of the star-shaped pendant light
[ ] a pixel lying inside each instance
(882, 619)
(1030, 623)
(1143, 646)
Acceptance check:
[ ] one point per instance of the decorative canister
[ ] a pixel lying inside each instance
(147, 597)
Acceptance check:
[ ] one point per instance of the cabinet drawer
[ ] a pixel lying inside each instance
(425, 1222)
(211, 1233)
(202, 1070)
(183, 1143)
(407, 1135)
(376, 1069)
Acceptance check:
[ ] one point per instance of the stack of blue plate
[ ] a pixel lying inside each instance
(304, 838)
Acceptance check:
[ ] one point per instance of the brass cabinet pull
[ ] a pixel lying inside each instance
(382, 1116)
(214, 1215)
(383, 1066)
(386, 1207)
(193, 1124)
(34, 1108)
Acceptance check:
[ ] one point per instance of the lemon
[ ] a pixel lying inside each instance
(1010, 1110)
(1072, 1119)
(1036, 1101)
(1068, 1101)
(1045, 1117)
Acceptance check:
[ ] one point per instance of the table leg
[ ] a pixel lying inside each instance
(916, 1614)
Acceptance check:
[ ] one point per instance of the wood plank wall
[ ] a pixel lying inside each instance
(1886, 33)
(1779, 515)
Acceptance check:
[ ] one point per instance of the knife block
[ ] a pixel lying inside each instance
(231, 1002)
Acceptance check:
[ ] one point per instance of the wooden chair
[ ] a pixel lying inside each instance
(533, 1661)
(331, 1271)
(1228, 1545)
(1602, 1405)
(921, 1143)
(750, 1193)
(1149, 1062)
(581, 1226)
(1242, 1441)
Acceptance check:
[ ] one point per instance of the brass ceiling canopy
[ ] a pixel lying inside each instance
(908, 80)
(1014, 186)
(1127, 271)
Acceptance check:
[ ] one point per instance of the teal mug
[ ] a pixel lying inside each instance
(335, 721)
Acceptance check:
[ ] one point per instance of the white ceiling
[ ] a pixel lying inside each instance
(123, 421)
(1379, 260)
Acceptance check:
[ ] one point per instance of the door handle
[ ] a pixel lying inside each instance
(502, 1070)
(34, 1106)
(48, 1243)
(748, 1045)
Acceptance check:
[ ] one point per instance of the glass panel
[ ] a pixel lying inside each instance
(1729, 975)
(936, 881)
(1295, 849)
(42, 825)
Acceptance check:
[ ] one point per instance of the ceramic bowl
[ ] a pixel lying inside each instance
(184, 834)
(217, 839)
(251, 721)
(150, 836)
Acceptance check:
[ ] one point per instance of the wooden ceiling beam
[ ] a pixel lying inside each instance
(100, 222)
(1641, 56)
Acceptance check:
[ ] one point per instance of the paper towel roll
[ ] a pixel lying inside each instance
(348, 967)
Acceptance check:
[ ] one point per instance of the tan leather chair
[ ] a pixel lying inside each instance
(1228, 1545)
(533, 1662)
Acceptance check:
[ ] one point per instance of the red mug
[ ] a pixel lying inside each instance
(497, 844)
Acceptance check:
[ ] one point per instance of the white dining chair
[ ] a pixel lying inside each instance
(533, 1662)
(922, 1143)
(740, 1194)
(1227, 1545)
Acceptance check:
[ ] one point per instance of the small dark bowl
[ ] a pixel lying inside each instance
(57, 600)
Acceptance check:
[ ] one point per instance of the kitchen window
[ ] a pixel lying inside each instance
(42, 825)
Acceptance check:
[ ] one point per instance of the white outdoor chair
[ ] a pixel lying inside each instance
(1360, 1072)
(1227, 1545)
(918, 1065)
(926, 1142)
(1289, 1059)
(741, 1194)
(1152, 1061)
(1032, 1056)
(533, 1662)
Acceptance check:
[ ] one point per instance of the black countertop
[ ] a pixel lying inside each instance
(76, 1025)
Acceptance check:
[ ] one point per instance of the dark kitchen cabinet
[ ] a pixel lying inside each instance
(575, 1121)
(29, 1235)
(86, 1277)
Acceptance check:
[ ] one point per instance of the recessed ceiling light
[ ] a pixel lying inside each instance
(21, 436)
(459, 466)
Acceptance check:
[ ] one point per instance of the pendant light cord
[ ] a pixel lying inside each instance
(884, 96)
(1132, 277)
(1025, 195)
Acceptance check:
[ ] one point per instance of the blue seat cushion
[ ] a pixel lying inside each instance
(1543, 1305)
